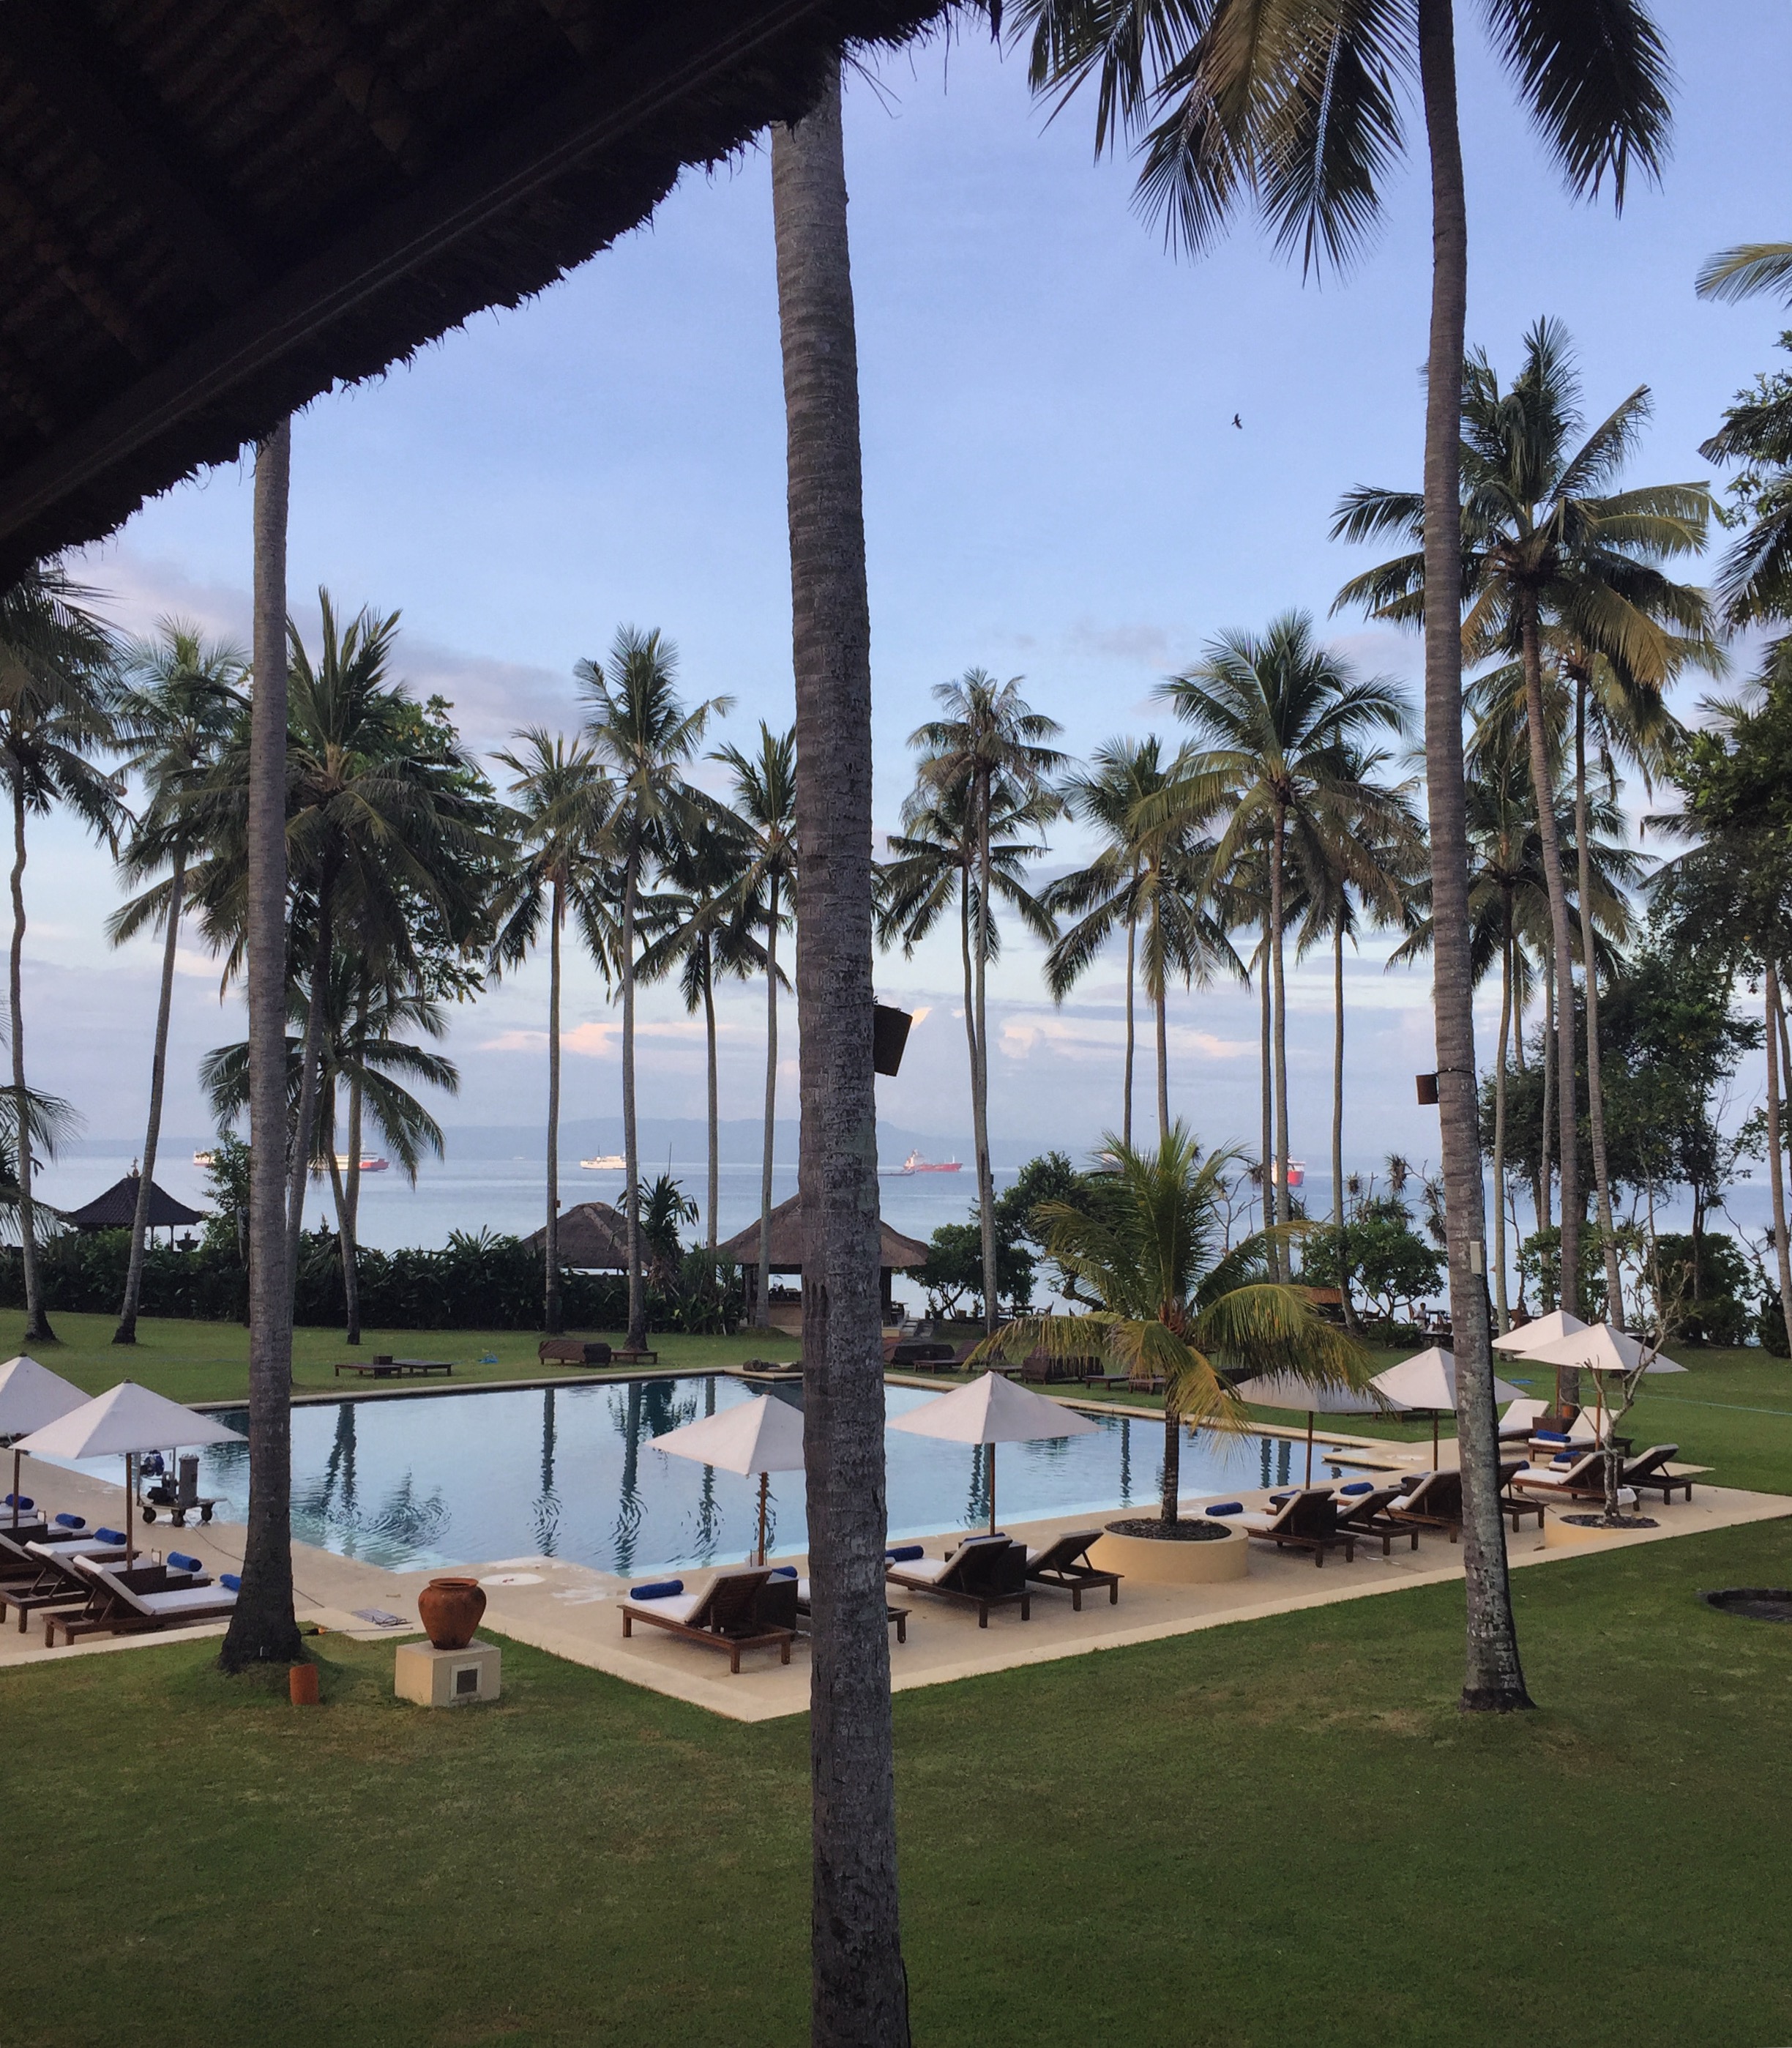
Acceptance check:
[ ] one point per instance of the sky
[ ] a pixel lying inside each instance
(1055, 489)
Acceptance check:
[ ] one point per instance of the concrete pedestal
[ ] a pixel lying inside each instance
(433, 1678)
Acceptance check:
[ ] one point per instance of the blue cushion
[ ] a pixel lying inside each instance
(232, 1580)
(1552, 1437)
(21, 1501)
(72, 1522)
(656, 1589)
(180, 1561)
(108, 1535)
(1224, 1507)
(785, 1572)
(902, 1555)
(1359, 1485)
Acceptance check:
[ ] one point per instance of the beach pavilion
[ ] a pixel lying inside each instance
(593, 1238)
(896, 1254)
(116, 1209)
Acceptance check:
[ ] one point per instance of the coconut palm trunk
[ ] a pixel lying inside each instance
(1560, 948)
(631, 1148)
(1160, 1002)
(37, 1319)
(713, 1191)
(345, 1233)
(1266, 1150)
(552, 1316)
(859, 1990)
(1501, 1310)
(1284, 1204)
(310, 1060)
(1776, 1157)
(979, 1080)
(351, 1250)
(262, 1629)
(1493, 1677)
(762, 1309)
(1545, 1210)
(1589, 967)
(1132, 973)
(1338, 1222)
(126, 1332)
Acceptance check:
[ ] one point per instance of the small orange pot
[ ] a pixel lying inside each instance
(301, 1685)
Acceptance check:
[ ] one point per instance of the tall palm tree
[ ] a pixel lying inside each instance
(765, 798)
(1174, 1300)
(990, 743)
(859, 1990)
(1755, 579)
(640, 730)
(1281, 721)
(1297, 113)
(185, 696)
(1547, 544)
(55, 717)
(262, 1627)
(562, 801)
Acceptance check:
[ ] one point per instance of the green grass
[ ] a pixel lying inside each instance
(192, 1361)
(1277, 1831)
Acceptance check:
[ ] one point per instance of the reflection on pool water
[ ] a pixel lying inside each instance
(568, 1472)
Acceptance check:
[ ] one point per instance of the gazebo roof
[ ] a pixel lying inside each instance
(211, 213)
(896, 1252)
(115, 1209)
(592, 1235)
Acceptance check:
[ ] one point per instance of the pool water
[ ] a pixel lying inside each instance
(569, 1472)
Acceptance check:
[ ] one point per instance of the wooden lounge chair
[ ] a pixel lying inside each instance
(1519, 1422)
(1649, 1469)
(805, 1614)
(1584, 1479)
(1516, 1504)
(735, 1613)
(56, 1582)
(1064, 1563)
(1307, 1519)
(145, 1597)
(984, 1572)
(1434, 1502)
(1365, 1516)
(572, 1351)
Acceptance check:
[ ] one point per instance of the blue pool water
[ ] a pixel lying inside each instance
(569, 1472)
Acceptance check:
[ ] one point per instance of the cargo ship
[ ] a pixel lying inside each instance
(916, 1164)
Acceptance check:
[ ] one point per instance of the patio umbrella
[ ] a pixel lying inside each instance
(1540, 1330)
(1428, 1381)
(993, 1410)
(1600, 1349)
(1283, 1390)
(763, 1436)
(30, 1396)
(121, 1423)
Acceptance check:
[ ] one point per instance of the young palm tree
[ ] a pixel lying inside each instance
(1175, 1302)
(55, 717)
(640, 731)
(184, 697)
(991, 744)
(562, 801)
(765, 798)
(1547, 544)
(1297, 112)
(1281, 721)
(859, 1996)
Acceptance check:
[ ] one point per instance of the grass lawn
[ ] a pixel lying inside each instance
(189, 1361)
(1276, 1832)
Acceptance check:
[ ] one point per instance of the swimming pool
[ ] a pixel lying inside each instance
(568, 1472)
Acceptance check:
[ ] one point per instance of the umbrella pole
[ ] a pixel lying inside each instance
(764, 1479)
(991, 1448)
(131, 1503)
(1310, 1447)
(17, 1455)
(1435, 1442)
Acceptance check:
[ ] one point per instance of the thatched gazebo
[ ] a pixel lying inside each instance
(116, 1208)
(593, 1238)
(896, 1254)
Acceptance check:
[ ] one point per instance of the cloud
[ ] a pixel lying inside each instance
(597, 1038)
(1144, 643)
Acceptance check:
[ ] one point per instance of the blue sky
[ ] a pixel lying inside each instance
(1054, 488)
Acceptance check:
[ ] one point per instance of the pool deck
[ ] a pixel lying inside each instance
(571, 1611)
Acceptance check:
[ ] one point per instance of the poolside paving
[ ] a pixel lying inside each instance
(572, 1610)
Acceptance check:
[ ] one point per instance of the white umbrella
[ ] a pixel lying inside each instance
(763, 1435)
(1283, 1390)
(120, 1423)
(993, 1410)
(1540, 1330)
(30, 1396)
(1598, 1350)
(1428, 1381)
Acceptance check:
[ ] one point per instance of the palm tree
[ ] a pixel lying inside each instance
(185, 697)
(1755, 580)
(562, 801)
(1546, 545)
(1282, 721)
(1297, 112)
(56, 692)
(1174, 1302)
(641, 732)
(262, 1628)
(990, 743)
(765, 798)
(859, 1990)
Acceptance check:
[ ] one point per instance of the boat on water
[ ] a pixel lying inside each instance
(1297, 1172)
(916, 1164)
(368, 1165)
(607, 1162)
(204, 1159)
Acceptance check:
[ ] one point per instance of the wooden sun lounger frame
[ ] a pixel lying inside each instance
(57, 1584)
(1634, 1475)
(739, 1592)
(1428, 1518)
(105, 1614)
(1380, 1523)
(395, 1368)
(1318, 1540)
(1070, 1576)
(984, 1600)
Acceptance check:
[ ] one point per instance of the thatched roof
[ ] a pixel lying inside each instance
(593, 1236)
(115, 1209)
(896, 1253)
(212, 211)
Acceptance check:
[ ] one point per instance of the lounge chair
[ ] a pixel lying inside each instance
(1515, 1504)
(1365, 1516)
(1649, 1470)
(738, 1610)
(1307, 1519)
(805, 1614)
(1064, 1563)
(121, 1602)
(1434, 1502)
(984, 1572)
(1519, 1422)
(1577, 1479)
(56, 1581)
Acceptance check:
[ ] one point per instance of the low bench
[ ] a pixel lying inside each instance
(572, 1351)
(382, 1367)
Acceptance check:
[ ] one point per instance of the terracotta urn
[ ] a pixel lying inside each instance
(450, 1610)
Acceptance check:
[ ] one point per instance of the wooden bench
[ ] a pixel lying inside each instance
(382, 1367)
(573, 1351)
(626, 1357)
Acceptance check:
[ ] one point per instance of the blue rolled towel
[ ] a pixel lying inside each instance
(1359, 1485)
(231, 1580)
(904, 1552)
(180, 1562)
(72, 1522)
(1224, 1507)
(21, 1501)
(108, 1535)
(656, 1589)
(785, 1572)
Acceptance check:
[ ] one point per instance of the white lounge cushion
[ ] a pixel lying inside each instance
(1256, 1518)
(182, 1600)
(926, 1569)
(675, 1607)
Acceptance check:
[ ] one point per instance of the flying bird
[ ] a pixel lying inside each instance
(1238, 423)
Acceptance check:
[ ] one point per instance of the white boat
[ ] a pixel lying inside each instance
(203, 1158)
(607, 1162)
(368, 1166)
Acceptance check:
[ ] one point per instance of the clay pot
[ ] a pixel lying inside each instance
(450, 1610)
(301, 1685)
